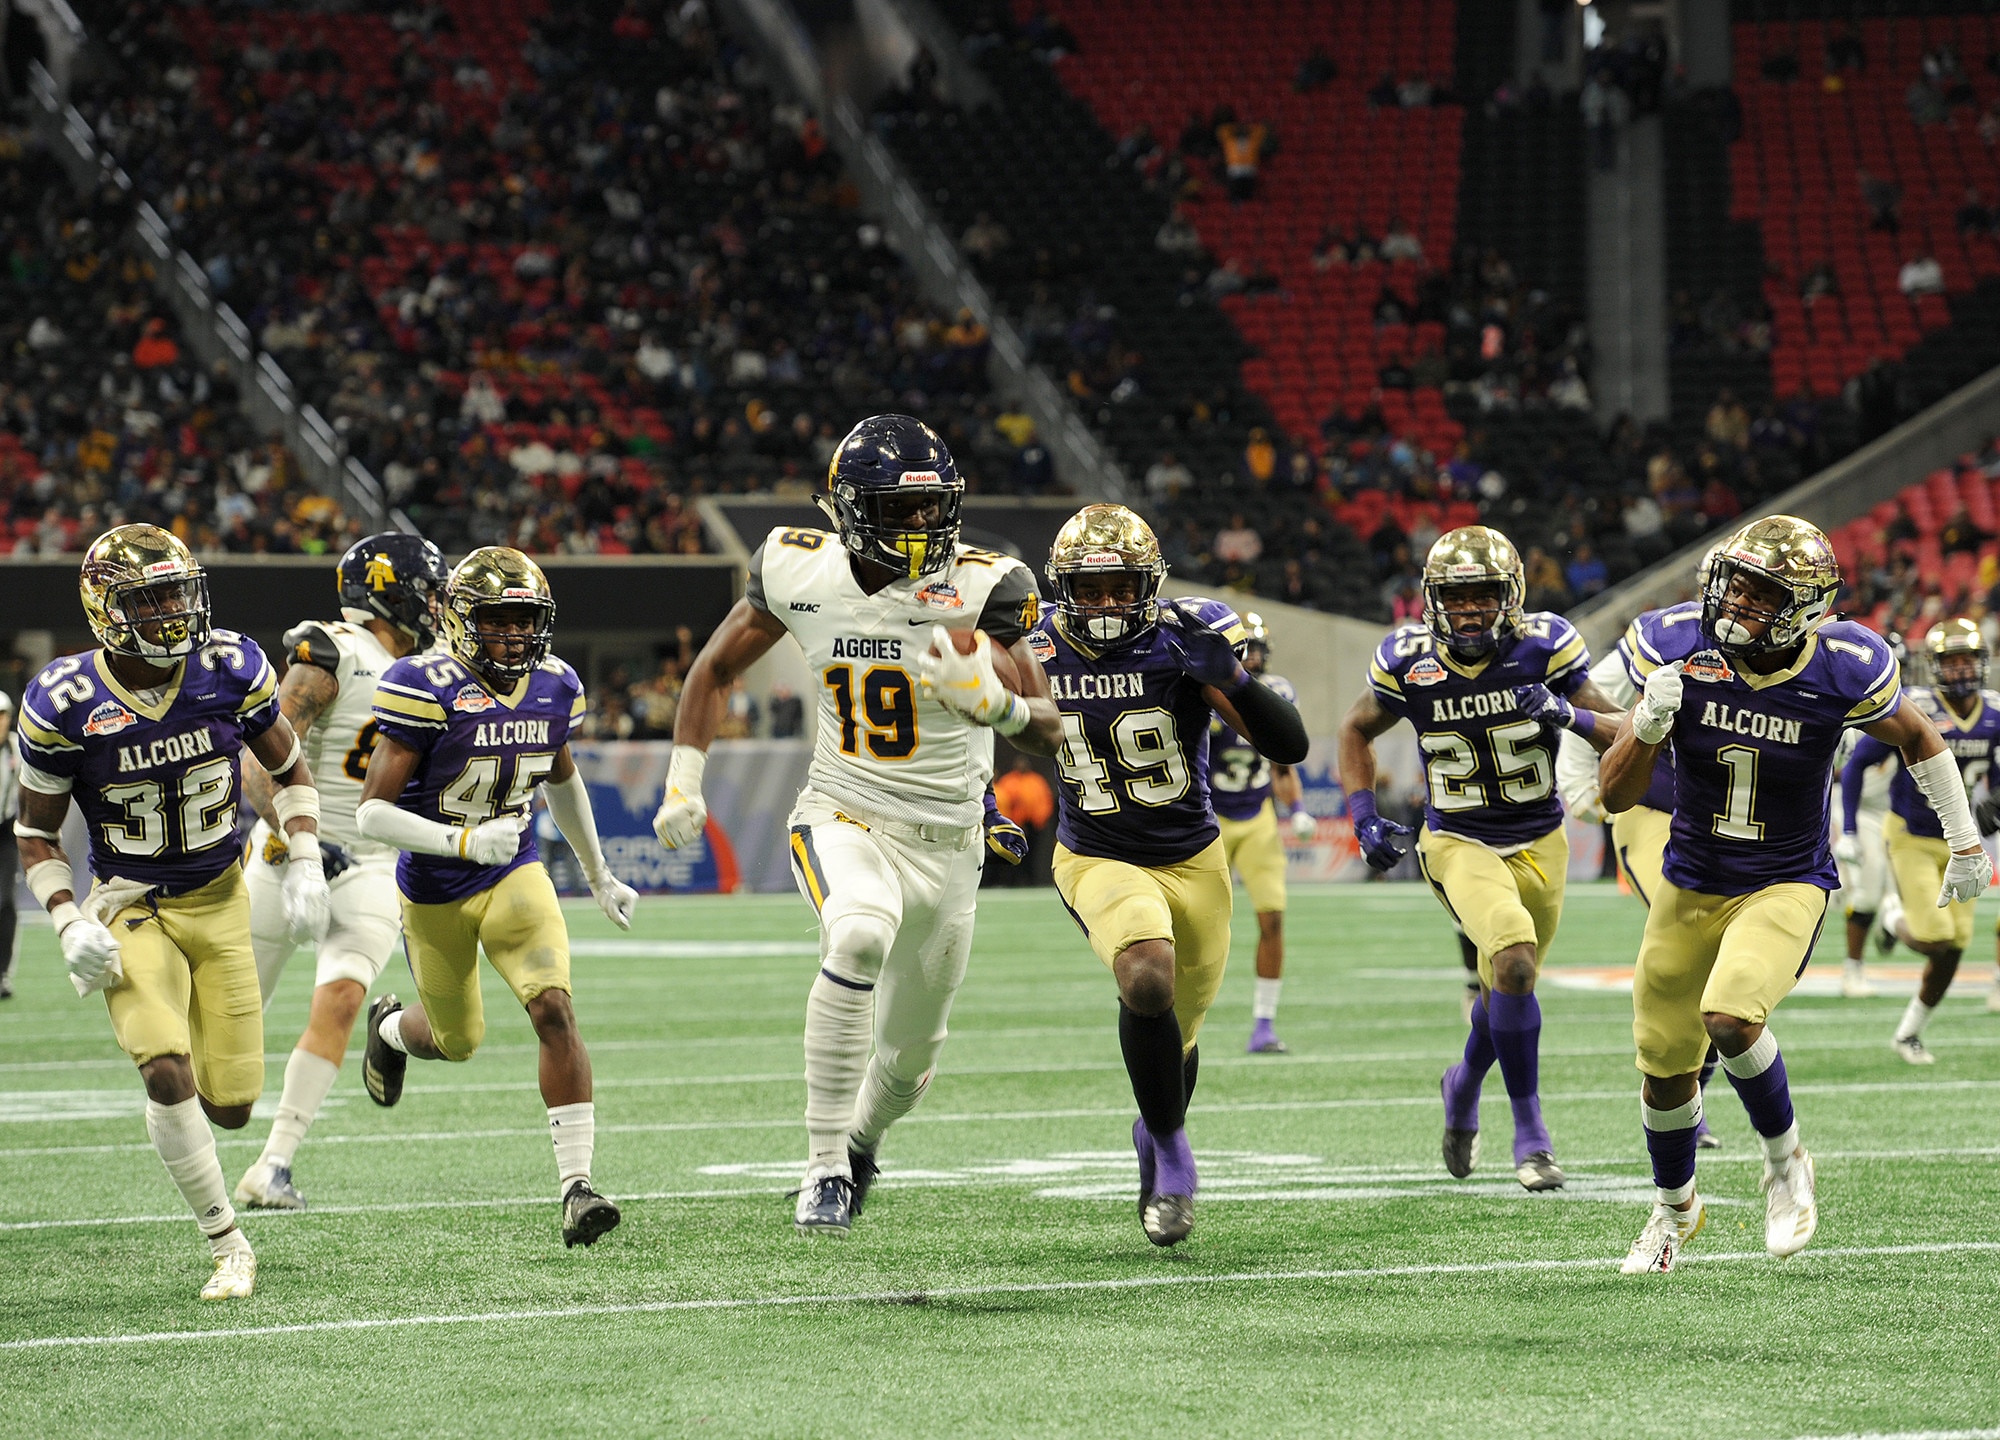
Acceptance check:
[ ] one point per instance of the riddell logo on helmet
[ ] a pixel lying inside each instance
(1466, 571)
(518, 592)
(921, 477)
(1104, 557)
(163, 567)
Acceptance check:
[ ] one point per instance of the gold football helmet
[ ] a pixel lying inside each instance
(1107, 540)
(1463, 559)
(1256, 644)
(1783, 551)
(145, 594)
(1960, 642)
(490, 579)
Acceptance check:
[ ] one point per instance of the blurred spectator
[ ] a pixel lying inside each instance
(1236, 543)
(1399, 242)
(1973, 218)
(1961, 535)
(788, 713)
(984, 238)
(1882, 197)
(1844, 50)
(1728, 422)
(1314, 71)
(739, 713)
(1547, 589)
(1242, 146)
(1260, 458)
(1177, 235)
(1920, 275)
(1586, 573)
(1167, 479)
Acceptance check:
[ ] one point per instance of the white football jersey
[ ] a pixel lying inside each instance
(341, 740)
(881, 746)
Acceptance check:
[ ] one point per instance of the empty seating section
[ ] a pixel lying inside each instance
(1797, 172)
(1337, 163)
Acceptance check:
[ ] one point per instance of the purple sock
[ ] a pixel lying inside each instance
(1759, 1077)
(1670, 1140)
(1462, 1081)
(1517, 1039)
(1173, 1160)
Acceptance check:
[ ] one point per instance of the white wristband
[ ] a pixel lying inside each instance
(1016, 719)
(685, 768)
(50, 877)
(293, 802)
(302, 845)
(1938, 778)
(65, 915)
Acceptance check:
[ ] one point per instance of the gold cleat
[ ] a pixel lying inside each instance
(235, 1276)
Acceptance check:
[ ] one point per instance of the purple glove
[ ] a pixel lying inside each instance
(1003, 837)
(1538, 702)
(1378, 838)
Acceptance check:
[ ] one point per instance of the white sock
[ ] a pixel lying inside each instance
(308, 1077)
(573, 1128)
(1264, 1004)
(1855, 968)
(187, 1148)
(220, 1245)
(882, 1103)
(1754, 1061)
(1915, 1018)
(839, 1033)
(391, 1031)
(1778, 1148)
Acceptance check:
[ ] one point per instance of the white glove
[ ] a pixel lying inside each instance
(1965, 877)
(91, 953)
(308, 903)
(1653, 716)
(614, 897)
(964, 683)
(1304, 826)
(1847, 848)
(683, 814)
(493, 842)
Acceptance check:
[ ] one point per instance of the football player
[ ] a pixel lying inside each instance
(1748, 701)
(388, 587)
(1638, 835)
(1246, 790)
(1966, 716)
(1864, 866)
(1487, 687)
(888, 837)
(463, 740)
(1139, 858)
(145, 733)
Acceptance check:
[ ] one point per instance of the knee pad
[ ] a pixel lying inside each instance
(856, 946)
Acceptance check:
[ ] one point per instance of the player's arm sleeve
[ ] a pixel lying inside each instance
(1868, 752)
(1576, 779)
(1274, 726)
(753, 586)
(408, 713)
(1386, 683)
(1569, 659)
(312, 644)
(1012, 606)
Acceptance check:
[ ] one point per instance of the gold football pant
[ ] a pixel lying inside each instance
(1639, 839)
(519, 924)
(1257, 855)
(1918, 863)
(1118, 905)
(190, 987)
(1723, 954)
(1498, 900)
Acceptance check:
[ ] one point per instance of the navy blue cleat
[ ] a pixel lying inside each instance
(826, 1206)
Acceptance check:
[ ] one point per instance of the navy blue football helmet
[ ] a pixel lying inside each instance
(893, 493)
(395, 577)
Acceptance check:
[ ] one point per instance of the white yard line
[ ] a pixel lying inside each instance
(957, 1292)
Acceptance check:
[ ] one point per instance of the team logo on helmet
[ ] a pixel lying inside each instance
(380, 574)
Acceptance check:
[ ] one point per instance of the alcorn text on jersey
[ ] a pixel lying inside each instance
(1752, 754)
(482, 753)
(1489, 770)
(882, 747)
(156, 774)
(343, 737)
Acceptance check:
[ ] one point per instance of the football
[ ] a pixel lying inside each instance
(966, 641)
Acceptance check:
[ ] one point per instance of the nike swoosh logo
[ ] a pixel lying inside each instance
(925, 621)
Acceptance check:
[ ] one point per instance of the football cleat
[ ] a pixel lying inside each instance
(826, 1206)
(1791, 1204)
(1853, 987)
(265, 1186)
(1167, 1219)
(1666, 1234)
(1913, 1049)
(587, 1215)
(865, 1170)
(1993, 995)
(1538, 1171)
(1168, 1214)
(1142, 1142)
(1705, 1138)
(1461, 1146)
(381, 1066)
(1888, 920)
(1264, 1040)
(235, 1275)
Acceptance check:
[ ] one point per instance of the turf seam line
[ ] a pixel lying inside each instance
(955, 1292)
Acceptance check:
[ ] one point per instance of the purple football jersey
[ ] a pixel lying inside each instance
(1752, 754)
(1660, 791)
(157, 783)
(1489, 771)
(1239, 779)
(1134, 764)
(1971, 742)
(481, 755)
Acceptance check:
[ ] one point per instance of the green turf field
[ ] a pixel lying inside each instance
(1337, 1281)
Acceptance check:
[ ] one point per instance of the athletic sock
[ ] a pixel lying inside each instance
(228, 1240)
(1516, 1023)
(1264, 1004)
(840, 1017)
(1915, 1018)
(308, 1078)
(883, 1102)
(391, 1031)
(1152, 1046)
(1462, 1081)
(1759, 1077)
(186, 1146)
(1670, 1140)
(1854, 968)
(573, 1128)
(1190, 1072)
(1708, 1064)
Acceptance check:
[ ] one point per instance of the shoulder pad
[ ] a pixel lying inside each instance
(313, 644)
